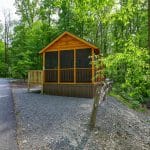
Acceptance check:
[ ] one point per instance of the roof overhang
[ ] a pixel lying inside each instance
(67, 33)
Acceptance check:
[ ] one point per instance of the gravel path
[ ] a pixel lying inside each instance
(7, 118)
(61, 123)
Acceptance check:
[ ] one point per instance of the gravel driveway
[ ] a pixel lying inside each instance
(7, 118)
(61, 123)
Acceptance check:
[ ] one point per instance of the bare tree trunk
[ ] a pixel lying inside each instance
(5, 41)
(6, 33)
(101, 90)
(95, 108)
(97, 33)
(101, 33)
(149, 25)
(6, 38)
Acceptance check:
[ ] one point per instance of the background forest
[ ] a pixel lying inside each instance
(118, 27)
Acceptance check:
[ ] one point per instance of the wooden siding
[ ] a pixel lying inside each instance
(67, 43)
(72, 90)
(65, 39)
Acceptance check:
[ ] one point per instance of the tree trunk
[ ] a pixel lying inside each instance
(94, 109)
(149, 25)
(101, 90)
(6, 33)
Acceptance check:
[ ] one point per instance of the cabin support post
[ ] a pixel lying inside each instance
(43, 61)
(43, 73)
(93, 66)
(43, 68)
(58, 66)
(28, 81)
(74, 66)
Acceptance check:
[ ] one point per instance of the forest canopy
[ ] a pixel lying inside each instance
(118, 27)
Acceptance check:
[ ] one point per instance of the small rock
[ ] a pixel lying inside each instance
(46, 138)
(96, 132)
(74, 143)
(24, 141)
(23, 129)
(85, 129)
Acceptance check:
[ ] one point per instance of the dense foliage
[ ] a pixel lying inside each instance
(130, 72)
(118, 27)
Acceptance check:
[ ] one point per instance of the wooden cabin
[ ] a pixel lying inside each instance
(67, 67)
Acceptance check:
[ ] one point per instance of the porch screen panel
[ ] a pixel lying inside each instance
(51, 60)
(66, 59)
(66, 66)
(51, 66)
(84, 66)
(83, 60)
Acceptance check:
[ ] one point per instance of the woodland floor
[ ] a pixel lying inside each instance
(46, 122)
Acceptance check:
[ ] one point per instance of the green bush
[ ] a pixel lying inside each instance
(130, 72)
(4, 69)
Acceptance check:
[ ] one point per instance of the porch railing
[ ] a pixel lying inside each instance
(35, 77)
(77, 75)
(69, 75)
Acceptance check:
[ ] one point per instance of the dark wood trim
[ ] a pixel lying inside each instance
(72, 90)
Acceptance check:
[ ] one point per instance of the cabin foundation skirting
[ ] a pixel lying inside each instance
(72, 90)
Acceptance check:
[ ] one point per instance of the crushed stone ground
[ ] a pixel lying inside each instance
(48, 122)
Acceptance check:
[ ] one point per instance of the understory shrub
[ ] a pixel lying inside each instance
(130, 73)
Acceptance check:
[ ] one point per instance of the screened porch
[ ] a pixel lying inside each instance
(69, 66)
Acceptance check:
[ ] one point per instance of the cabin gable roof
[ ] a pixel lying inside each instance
(67, 40)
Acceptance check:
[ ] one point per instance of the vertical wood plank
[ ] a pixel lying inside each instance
(29, 81)
(33, 76)
(43, 61)
(42, 81)
(93, 78)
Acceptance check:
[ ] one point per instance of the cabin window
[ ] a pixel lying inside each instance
(66, 66)
(51, 60)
